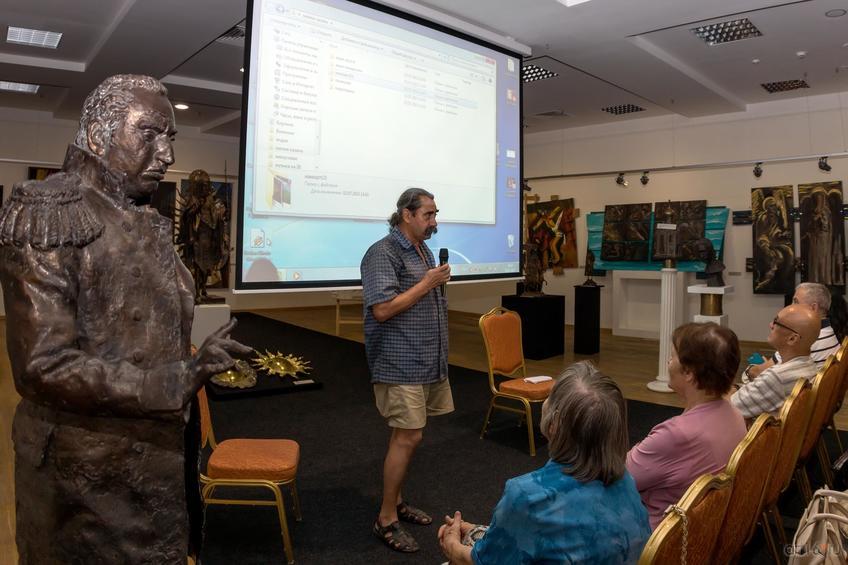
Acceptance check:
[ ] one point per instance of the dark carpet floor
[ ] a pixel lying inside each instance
(343, 441)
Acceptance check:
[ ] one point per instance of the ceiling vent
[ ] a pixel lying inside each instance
(233, 35)
(553, 114)
(725, 32)
(531, 73)
(784, 85)
(623, 109)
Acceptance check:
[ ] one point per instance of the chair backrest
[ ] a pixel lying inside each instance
(501, 329)
(750, 467)
(704, 503)
(824, 400)
(842, 387)
(206, 434)
(794, 418)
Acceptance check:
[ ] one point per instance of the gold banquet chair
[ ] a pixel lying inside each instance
(750, 467)
(254, 463)
(501, 329)
(692, 540)
(794, 417)
(841, 390)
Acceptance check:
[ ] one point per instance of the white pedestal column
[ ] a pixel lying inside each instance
(207, 319)
(668, 314)
(711, 303)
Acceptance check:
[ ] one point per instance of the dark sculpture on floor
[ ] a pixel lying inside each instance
(203, 232)
(705, 252)
(100, 309)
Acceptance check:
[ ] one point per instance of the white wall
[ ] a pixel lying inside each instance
(807, 126)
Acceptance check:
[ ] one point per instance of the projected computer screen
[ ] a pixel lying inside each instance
(348, 104)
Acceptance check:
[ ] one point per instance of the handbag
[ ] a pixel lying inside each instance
(822, 535)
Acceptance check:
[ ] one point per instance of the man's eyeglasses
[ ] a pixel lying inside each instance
(777, 322)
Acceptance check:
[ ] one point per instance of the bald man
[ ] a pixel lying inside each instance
(792, 333)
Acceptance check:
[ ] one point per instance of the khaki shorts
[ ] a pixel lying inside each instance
(407, 406)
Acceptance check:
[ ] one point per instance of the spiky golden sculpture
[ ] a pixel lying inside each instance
(241, 375)
(281, 365)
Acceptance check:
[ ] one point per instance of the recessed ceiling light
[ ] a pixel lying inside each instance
(571, 3)
(181, 106)
(532, 73)
(755, 61)
(725, 32)
(241, 69)
(838, 13)
(34, 37)
(19, 87)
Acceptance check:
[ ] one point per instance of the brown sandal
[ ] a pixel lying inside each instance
(413, 515)
(395, 537)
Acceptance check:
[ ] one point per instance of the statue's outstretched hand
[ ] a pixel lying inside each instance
(214, 356)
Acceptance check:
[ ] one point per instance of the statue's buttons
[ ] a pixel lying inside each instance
(138, 356)
(127, 226)
(136, 314)
(136, 271)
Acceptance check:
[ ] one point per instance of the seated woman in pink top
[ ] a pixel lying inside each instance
(703, 363)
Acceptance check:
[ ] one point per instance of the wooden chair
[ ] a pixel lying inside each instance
(750, 467)
(252, 463)
(794, 418)
(824, 400)
(841, 390)
(704, 505)
(501, 329)
(344, 298)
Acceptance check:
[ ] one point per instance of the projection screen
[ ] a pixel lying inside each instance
(346, 105)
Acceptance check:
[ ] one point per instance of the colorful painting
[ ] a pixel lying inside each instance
(822, 233)
(774, 255)
(551, 228)
(677, 226)
(627, 231)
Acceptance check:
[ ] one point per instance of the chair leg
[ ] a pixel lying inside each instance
(488, 415)
(764, 520)
(803, 481)
(824, 462)
(532, 439)
(296, 501)
(836, 433)
(284, 526)
(778, 523)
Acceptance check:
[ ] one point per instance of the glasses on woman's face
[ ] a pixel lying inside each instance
(777, 322)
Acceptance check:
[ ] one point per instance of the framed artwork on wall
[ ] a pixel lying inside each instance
(774, 239)
(551, 228)
(822, 233)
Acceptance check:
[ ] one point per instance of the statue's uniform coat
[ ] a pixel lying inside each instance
(98, 314)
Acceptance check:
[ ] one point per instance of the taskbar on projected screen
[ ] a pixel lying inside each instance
(352, 273)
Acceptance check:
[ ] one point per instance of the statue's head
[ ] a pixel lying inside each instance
(199, 183)
(128, 122)
(703, 249)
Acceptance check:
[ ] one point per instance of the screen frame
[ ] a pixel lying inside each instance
(284, 286)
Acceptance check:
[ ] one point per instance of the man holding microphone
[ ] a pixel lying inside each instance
(406, 343)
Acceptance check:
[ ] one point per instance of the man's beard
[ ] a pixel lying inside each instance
(430, 231)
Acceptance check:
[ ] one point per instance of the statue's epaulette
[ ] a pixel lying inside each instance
(48, 214)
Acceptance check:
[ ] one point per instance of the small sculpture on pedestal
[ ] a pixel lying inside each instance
(714, 269)
(590, 267)
(534, 273)
(665, 237)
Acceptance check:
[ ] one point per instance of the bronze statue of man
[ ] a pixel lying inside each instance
(99, 310)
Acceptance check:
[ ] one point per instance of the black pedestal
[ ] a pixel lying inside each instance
(587, 319)
(542, 323)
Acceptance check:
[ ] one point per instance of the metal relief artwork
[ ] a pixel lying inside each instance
(241, 375)
(677, 226)
(774, 256)
(551, 228)
(822, 232)
(102, 308)
(626, 232)
(281, 365)
(204, 232)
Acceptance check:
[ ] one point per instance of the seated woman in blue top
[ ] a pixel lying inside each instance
(582, 506)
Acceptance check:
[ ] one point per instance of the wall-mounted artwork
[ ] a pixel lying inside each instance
(774, 256)
(626, 232)
(551, 228)
(677, 226)
(40, 173)
(822, 232)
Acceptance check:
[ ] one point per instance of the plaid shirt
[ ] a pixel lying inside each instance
(411, 347)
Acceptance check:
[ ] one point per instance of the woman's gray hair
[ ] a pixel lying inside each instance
(108, 103)
(410, 200)
(817, 293)
(585, 421)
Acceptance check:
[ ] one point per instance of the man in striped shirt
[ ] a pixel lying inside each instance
(792, 333)
(816, 297)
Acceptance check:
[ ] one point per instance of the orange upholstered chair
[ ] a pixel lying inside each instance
(693, 539)
(255, 463)
(750, 467)
(824, 400)
(501, 329)
(794, 418)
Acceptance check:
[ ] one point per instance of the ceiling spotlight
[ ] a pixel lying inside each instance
(181, 106)
(824, 166)
(758, 170)
(644, 178)
(619, 180)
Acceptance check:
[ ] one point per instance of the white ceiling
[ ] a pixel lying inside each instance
(607, 53)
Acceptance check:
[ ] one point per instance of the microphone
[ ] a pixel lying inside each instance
(443, 258)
